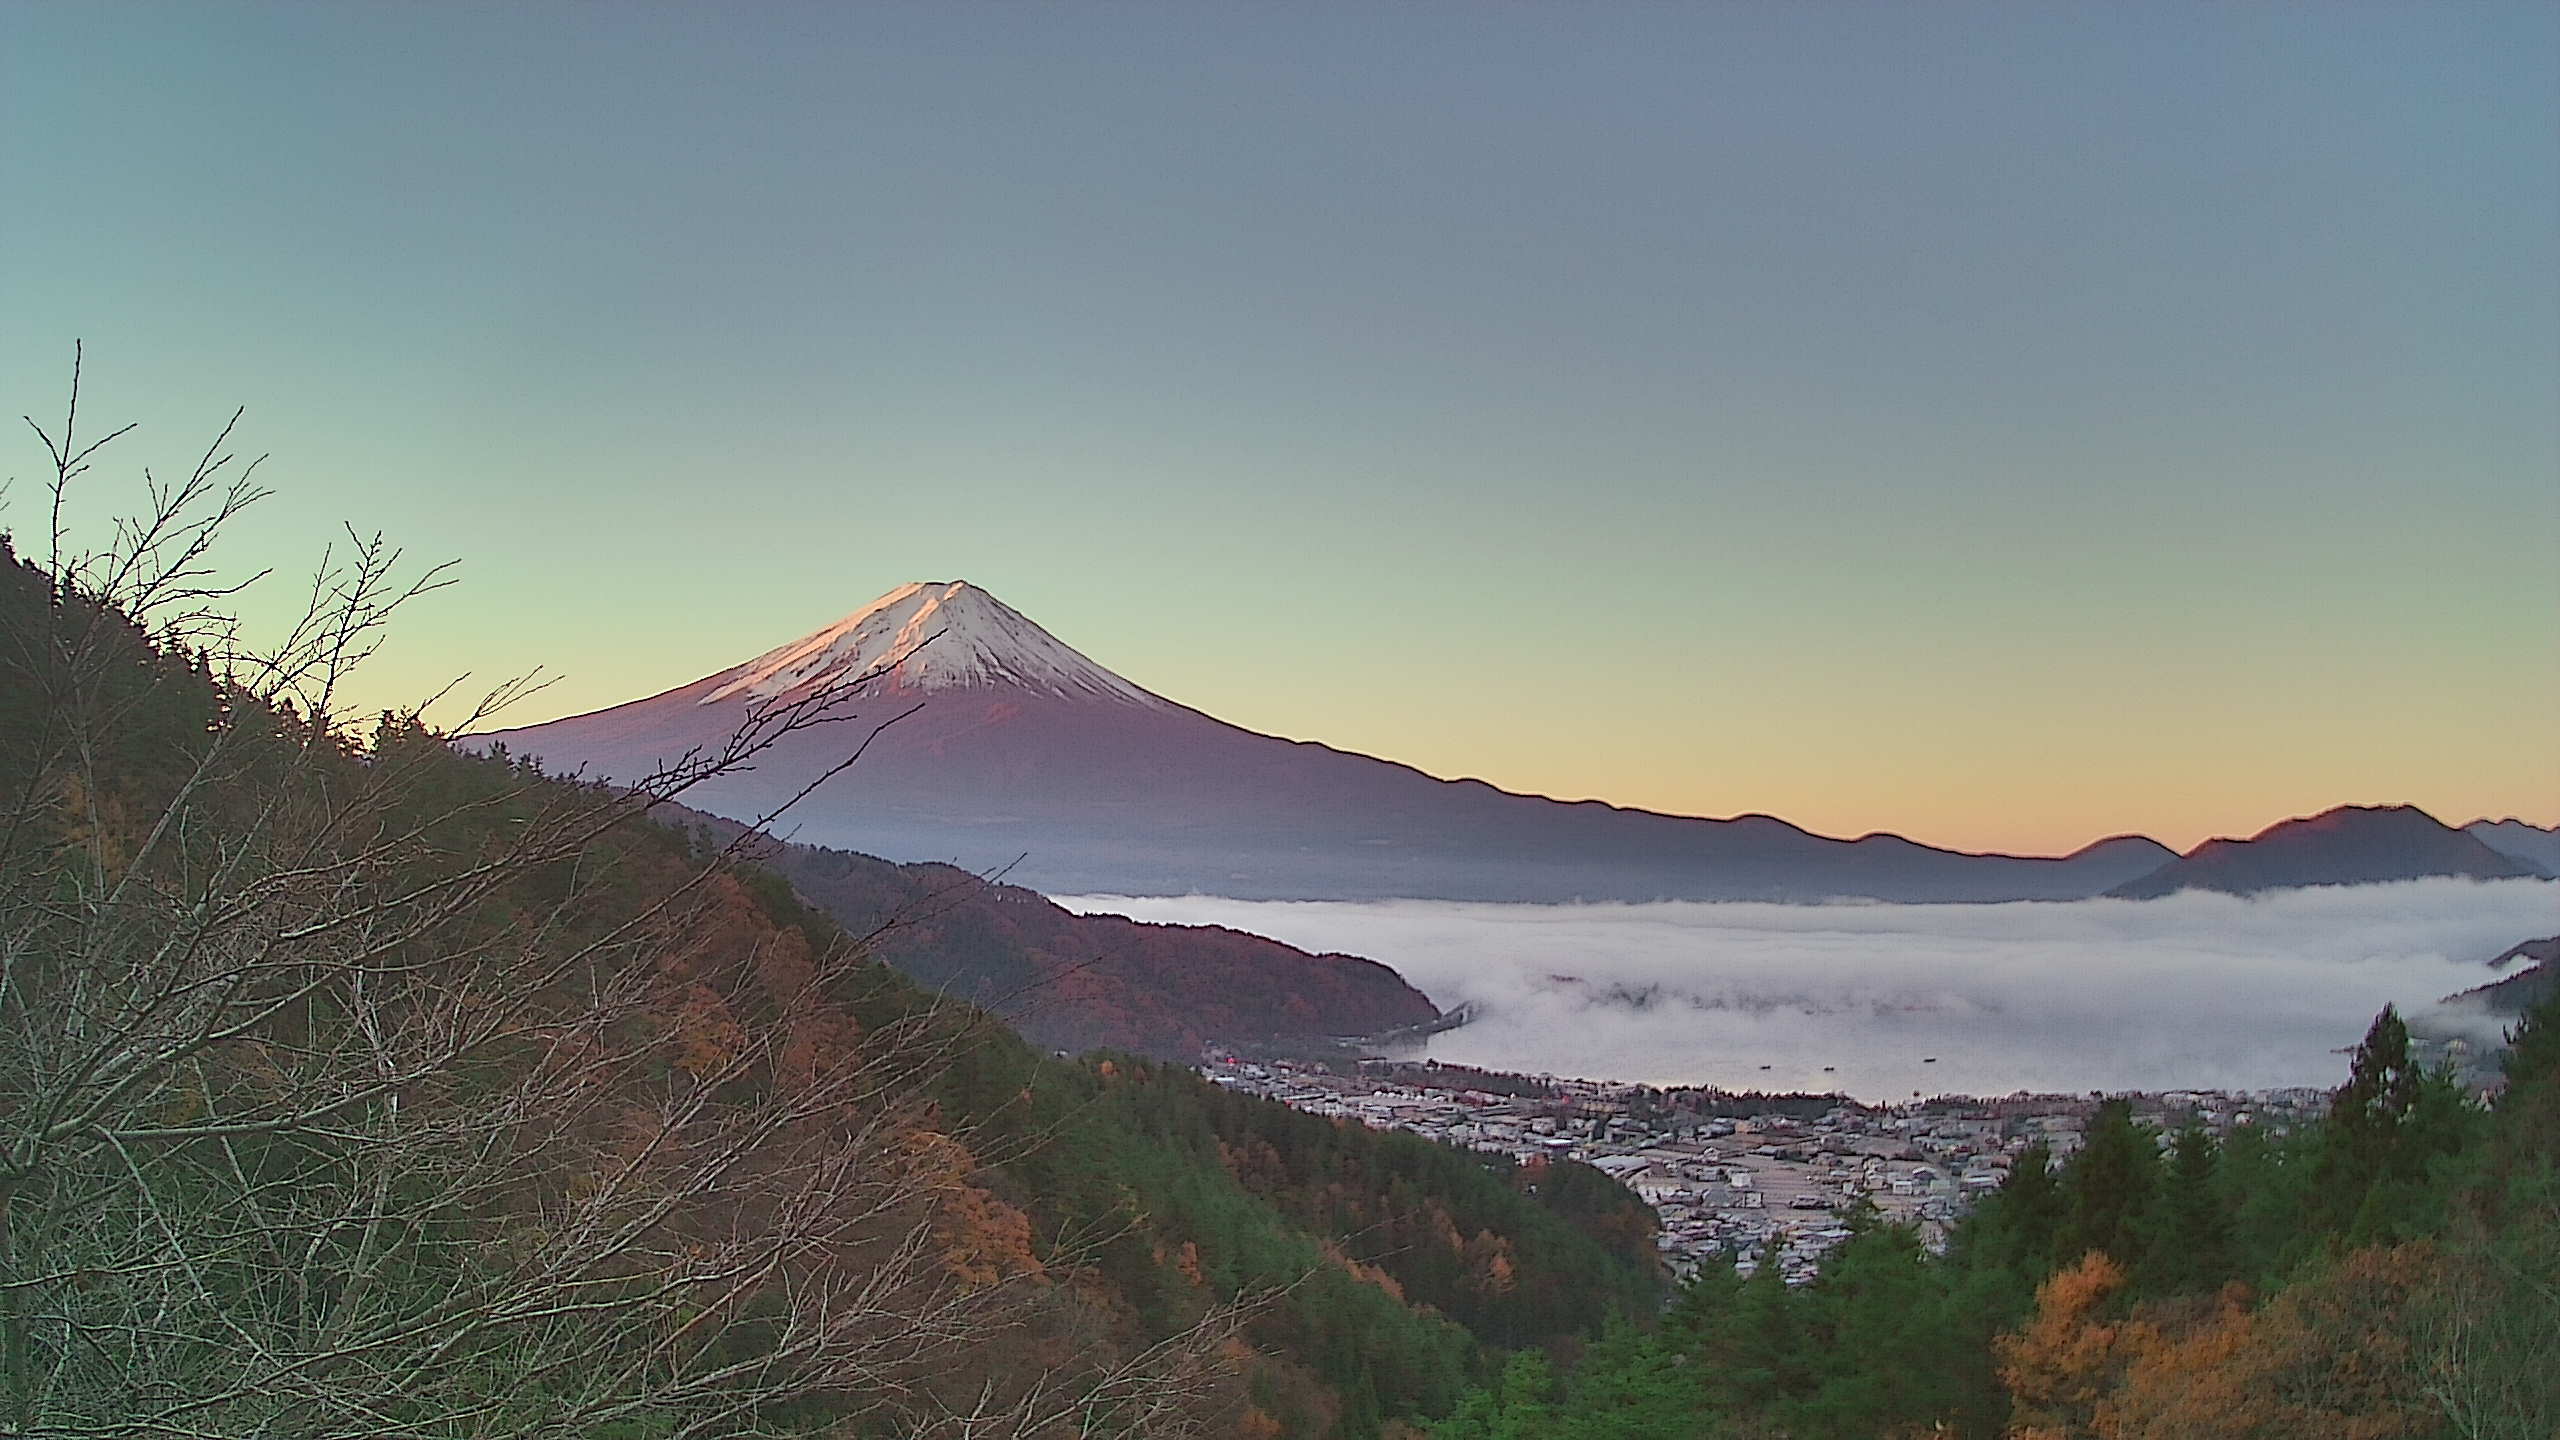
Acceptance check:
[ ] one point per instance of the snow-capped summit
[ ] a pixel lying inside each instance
(931, 635)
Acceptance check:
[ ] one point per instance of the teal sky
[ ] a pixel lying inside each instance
(2004, 425)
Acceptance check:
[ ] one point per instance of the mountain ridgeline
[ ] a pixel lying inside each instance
(2351, 845)
(1011, 750)
(2534, 845)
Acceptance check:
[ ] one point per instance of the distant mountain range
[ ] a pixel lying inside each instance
(2535, 846)
(1023, 753)
(2350, 845)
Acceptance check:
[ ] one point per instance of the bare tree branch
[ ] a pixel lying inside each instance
(351, 1087)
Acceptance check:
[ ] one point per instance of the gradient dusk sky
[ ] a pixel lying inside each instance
(2001, 424)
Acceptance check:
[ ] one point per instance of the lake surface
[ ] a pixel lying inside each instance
(1879, 1001)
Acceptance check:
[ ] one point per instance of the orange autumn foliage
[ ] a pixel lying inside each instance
(984, 1240)
(1367, 1274)
(707, 1037)
(2067, 1358)
(2326, 1357)
(1491, 1267)
(2329, 1356)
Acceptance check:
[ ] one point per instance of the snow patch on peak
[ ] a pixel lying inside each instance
(931, 635)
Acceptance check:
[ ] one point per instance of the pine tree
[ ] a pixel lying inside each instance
(2020, 1226)
(1757, 1350)
(2107, 1187)
(1521, 1406)
(1632, 1386)
(2366, 1113)
(2521, 1174)
(2191, 1246)
(2388, 1128)
(1882, 1356)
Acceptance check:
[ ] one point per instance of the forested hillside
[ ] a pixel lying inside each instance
(354, 1086)
(2520, 990)
(1081, 982)
(2391, 1271)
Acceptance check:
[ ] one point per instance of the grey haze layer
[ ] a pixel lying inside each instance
(2194, 990)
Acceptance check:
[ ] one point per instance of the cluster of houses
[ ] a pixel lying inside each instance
(1733, 1185)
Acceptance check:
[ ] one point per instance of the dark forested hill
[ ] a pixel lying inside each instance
(1077, 982)
(2518, 990)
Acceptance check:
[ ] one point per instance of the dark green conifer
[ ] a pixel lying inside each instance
(2021, 1224)
(2191, 1247)
(2366, 1113)
(1758, 1352)
(2107, 1187)
(2388, 1131)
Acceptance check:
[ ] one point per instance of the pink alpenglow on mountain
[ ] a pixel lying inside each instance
(1022, 752)
(929, 636)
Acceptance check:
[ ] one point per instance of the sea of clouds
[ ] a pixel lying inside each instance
(2195, 990)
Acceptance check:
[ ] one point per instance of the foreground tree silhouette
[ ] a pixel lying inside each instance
(349, 1086)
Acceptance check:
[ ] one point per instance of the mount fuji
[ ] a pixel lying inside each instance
(1022, 752)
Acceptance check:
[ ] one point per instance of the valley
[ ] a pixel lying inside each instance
(1735, 1178)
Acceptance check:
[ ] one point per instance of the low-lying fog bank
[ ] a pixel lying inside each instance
(2196, 990)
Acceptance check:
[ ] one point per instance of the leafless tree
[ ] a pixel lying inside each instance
(351, 1089)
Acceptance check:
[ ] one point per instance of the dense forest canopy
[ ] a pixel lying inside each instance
(2392, 1270)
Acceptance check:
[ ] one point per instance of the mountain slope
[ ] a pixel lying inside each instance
(2517, 840)
(2350, 845)
(1082, 982)
(2515, 994)
(1021, 749)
